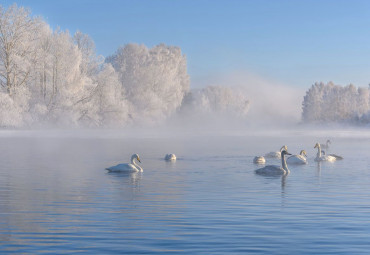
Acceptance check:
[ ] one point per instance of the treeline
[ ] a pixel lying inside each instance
(52, 78)
(333, 103)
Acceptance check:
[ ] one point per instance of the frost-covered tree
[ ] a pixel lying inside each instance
(89, 69)
(61, 82)
(109, 99)
(50, 77)
(333, 103)
(312, 102)
(363, 101)
(216, 100)
(155, 80)
(11, 114)
(90, 61)
(19, 35)
(19, 43)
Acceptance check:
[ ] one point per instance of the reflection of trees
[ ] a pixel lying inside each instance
(43, 192)
(23, 210)
(5, 210)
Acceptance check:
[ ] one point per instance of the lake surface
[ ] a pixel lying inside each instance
(57, 197)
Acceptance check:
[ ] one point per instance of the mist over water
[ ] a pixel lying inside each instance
(271, 101)
(57, 197)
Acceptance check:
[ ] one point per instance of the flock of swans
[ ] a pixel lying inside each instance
(293, 159)
(133, 166)
(300, 159)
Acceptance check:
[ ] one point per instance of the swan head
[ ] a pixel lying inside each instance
(303, 153)
(135, 156)
(285, 152)
(317, 145)
(284, 148)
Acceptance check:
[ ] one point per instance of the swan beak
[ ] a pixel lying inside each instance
(139, 160)
(288, 153)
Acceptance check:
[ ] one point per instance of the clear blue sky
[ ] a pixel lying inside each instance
(293, 42)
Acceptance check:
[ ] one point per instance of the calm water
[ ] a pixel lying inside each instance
(56, 197)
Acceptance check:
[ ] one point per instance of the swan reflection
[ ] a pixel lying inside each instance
(132, 178)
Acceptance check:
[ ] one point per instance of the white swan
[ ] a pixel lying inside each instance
(320, 157)
(298, 159)
(276, 154)
(170, 157)
(128, 167)
(337, 157)
(259, 160)
(326, 145)
(272, 170)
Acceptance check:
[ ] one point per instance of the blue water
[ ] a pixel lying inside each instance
(56, 197)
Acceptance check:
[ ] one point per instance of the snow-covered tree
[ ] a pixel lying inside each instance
(112, 106)
(11, 114)
(90, 61)
(50, 77)
(19, 43)
(334, 103)
(216, 100)
(61, 82)
(155, 80)
(19, 36)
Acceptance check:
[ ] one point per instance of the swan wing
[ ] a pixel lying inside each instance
(297, 159)
(122, 168)
(270, 170)
(326, 158)
(330, 158)
(337, 157)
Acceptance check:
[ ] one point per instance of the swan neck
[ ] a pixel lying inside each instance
(136, 165)
(319, 151)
